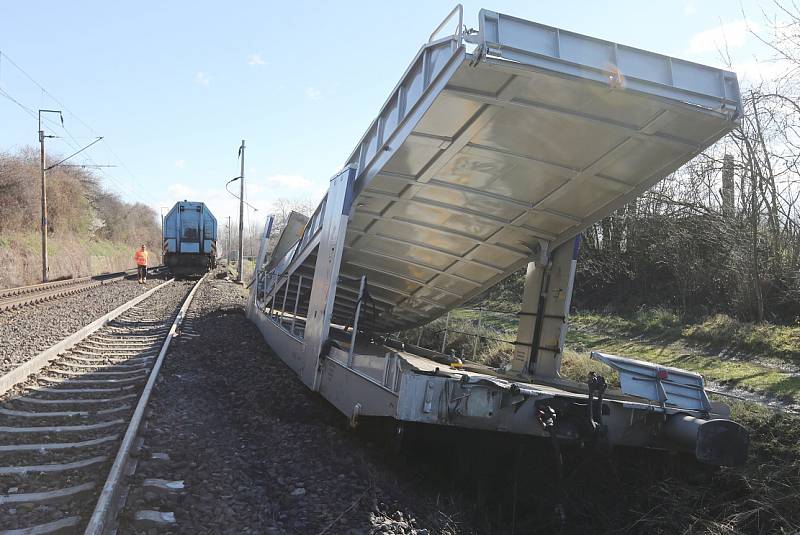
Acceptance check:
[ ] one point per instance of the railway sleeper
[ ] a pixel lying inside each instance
(125, 337)
(71, 401)
(53, 467)
(84, 373)
(50, 496)
(62, 414)
(53, 446)
(104, 371)
(121, 366)
(105, 361)
(91, 381)
(83, 390)
(56, 429)
(63, 525)
(103, 346)
(80, 351)
(112, 350)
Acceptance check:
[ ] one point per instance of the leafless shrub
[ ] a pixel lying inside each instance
(80, 213)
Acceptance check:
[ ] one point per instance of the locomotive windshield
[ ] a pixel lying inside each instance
(190, 233)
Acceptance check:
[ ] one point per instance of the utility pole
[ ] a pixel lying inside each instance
(228, 246)
(44, 170)
(241, 216)
(45, 265)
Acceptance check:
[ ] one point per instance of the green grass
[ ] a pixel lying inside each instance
(766, 341)
(752, 376)
(760, 497)
(655, 321)
(68, 256)
(30, 241)
(107, 248)
(655, 336)
(577, 365)
(492, 321)
(726, 351)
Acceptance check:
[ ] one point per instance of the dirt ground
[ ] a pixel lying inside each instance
(260, 453)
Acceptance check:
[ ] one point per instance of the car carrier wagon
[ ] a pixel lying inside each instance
(495, 150)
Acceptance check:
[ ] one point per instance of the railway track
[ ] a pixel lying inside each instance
(12, 298)
(69, 418)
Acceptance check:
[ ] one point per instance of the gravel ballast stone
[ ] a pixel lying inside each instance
(67, 424)
(258, 451)
(27, 331)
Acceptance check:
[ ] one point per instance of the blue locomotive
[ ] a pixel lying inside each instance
(189, 239)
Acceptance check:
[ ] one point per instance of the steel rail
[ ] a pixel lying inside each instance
(22, 372)
(12, 298)
(106, 509)
(100, 384)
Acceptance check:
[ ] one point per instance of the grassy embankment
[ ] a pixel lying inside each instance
(760, 497)
(757, 358)
(90, 230)
(20, 253)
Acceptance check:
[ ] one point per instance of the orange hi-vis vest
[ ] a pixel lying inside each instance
(140, 257)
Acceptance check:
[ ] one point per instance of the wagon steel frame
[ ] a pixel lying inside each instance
(494, 151)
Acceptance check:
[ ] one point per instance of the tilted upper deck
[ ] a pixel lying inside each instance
(497, 141)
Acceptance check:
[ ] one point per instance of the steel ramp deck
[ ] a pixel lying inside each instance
(494, 150)
(494, 143)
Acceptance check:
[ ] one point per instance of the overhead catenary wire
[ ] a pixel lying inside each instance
(73, 146)
(73, 154)
(123, 189)
(236, 196)
(53, 124)
(112, 182)
(18, 103)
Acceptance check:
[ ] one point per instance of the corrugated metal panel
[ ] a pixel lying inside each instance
(476, 158)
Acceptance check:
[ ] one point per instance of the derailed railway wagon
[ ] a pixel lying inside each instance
(495, 150)
(189, 239)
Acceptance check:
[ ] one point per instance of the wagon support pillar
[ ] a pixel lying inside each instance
(545, 309)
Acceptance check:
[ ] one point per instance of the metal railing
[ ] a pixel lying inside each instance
(479, 335)
(458, 10)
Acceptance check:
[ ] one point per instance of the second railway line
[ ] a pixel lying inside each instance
(15, 298)
(26, 331)
(64, 423)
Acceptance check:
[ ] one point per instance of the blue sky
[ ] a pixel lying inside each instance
(175, 86)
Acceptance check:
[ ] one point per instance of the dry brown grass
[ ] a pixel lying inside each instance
(89, 229)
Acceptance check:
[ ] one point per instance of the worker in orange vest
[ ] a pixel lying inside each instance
(140, 256)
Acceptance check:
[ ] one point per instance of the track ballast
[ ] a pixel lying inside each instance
(13, 298)
(62, 427)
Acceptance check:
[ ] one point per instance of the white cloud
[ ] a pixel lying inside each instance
(180, 191)
(312, 93)
(261, 193)
(690, 8)
(289, 181)
(202, 78)
(255, 59)
(253, 187)
(731, 36)
(180, 164)
(759, 71)
(221, 203)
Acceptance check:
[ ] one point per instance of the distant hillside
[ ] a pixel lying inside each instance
(90, 230)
